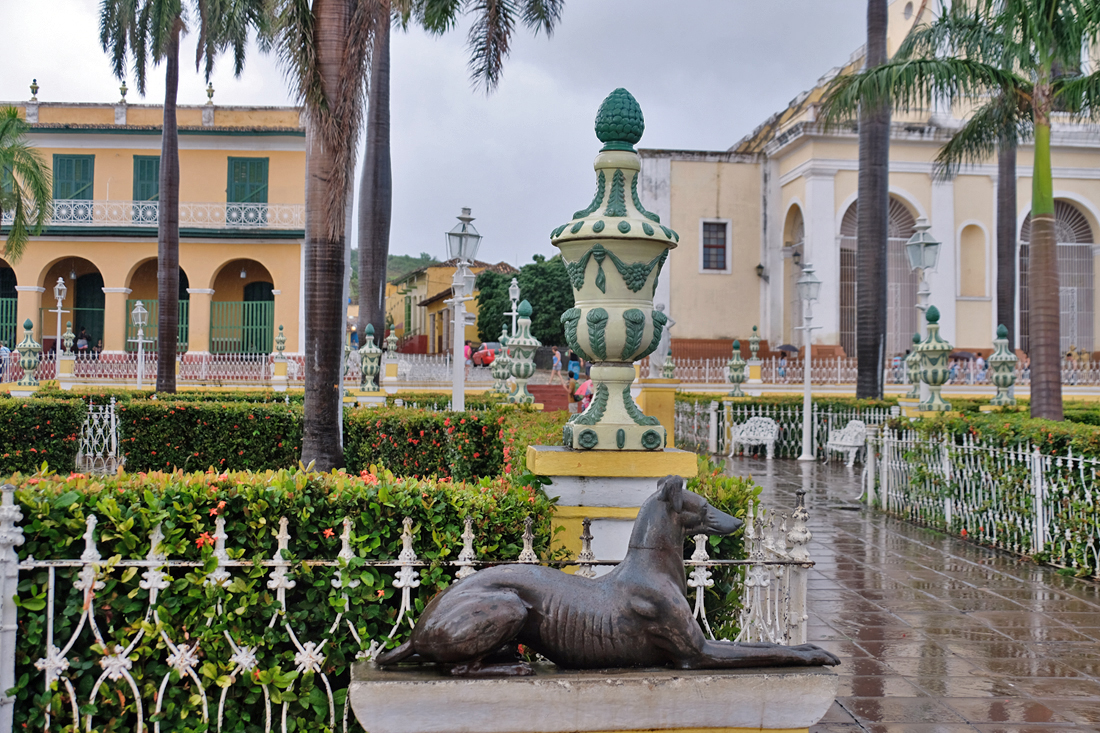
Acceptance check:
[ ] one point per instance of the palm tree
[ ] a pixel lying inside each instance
(150, 30)
(488, 43)
(25, 184)
(1004, 57)
(872, 220)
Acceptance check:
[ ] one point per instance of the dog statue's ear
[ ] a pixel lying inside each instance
(671, 490)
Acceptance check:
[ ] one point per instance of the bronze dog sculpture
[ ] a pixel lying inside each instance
(637, 615)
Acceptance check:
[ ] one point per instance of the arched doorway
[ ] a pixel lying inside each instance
(901, 283)
(143, 287)
(794, 238)
(84, 300)
(9, 302)
(1075, 278)
(242, 313)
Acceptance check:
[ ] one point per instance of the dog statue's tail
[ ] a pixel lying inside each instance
(393, 656)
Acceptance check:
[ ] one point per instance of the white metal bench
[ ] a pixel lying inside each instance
(850, 439)
(755, 431)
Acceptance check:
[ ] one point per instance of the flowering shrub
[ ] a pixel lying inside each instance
(189, 610)
(1013, 428)
(461, 445)
(33, 431)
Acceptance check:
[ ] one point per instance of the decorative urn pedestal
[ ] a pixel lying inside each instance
(522, 346)
(502, 365)
(736, 368)
(754, 364)
(934, 370)
(614, 250)
(912, 369)
(1002, 366)
(370, 360)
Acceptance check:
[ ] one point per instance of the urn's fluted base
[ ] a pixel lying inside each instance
(613, 421)
(935, 402)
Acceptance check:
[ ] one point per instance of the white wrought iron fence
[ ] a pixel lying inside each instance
(703, 426)
(1011, 497)
(98, 451)
(68, 212)
(774, 610)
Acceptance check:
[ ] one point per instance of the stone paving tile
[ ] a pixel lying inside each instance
(936, 634)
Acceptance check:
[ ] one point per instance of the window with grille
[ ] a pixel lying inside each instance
(714, 246)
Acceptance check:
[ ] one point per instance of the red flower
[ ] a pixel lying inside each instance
(328, 533)
(204, 539)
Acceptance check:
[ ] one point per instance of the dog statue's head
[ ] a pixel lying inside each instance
(694, 513)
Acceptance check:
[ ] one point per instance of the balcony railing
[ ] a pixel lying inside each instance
(194, 215)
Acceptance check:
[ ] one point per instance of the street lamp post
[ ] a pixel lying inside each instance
(140, 317)
(923, 251)
(808, 288)
(513, 295)
(59, 293)
(462, 244)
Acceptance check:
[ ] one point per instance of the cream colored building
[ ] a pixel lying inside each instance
(787, 192)
(242, 221)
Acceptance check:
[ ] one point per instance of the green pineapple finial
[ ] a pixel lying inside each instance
(619, 121)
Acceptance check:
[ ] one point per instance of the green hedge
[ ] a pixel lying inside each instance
(442, 400)
(160, 435)
(99, 395)
(186, 506)
(1011, 429)
(33, 431)
(792, 400)
(460, 445)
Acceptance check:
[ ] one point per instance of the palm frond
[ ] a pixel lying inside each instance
(437, 16)
(1079, 95)
(959, 31)
(296, 45)
(26, 185)
(489, 40)
(911, 84)
(542, 15)
(1003, 121)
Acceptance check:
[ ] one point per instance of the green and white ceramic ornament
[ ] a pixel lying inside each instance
(614, 251)
(736, 368)
(934, 370)
(1002, 367)
(912, 369)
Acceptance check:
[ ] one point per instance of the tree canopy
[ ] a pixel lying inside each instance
(543, 283)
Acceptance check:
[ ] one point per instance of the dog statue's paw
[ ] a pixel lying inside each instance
(476, 669)
(814, 655)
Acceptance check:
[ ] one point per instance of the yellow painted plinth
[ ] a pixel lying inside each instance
(658, 399)
(279, 368)
(926, 414)
(391, 370)
(65, 366)
(545, 460)
(755, 370)
(571, 520)
(993, 408)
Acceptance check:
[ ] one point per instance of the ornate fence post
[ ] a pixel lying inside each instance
(1038, 487)
(11, 536)
(712, 432)
(870, 468)
(797, 539)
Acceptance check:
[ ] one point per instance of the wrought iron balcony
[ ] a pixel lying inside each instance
(192, 215)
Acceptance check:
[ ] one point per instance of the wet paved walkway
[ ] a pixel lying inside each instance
(936, 634)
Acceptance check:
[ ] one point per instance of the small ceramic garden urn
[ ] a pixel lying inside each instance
(67, 339)
(370, 360)
(934, 370)
(668, 370)
(912, 369)
(523, 345)
(614, 250)
(502, 365)
(1002, 365)
(736, 367)
(754, 344)
(280, 345)
(28, 350)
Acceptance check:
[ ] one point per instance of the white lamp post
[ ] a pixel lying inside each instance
(513, 295)
(59, 293)
(140, 317)
(808, 288)
(462, 244)
(923, 251)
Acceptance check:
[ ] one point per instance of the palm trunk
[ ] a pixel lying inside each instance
(168, 226)
(376, 188)
(1044, 328)
(1006, 240)
(326, 198)
(871, 227)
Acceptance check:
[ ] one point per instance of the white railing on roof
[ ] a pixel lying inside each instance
(773, 610)
(212, 215)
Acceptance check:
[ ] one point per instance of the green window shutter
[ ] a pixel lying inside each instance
(146, 177)
(73, 176)
(247, 181)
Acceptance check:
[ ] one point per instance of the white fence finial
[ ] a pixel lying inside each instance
(467, 557)
(587, 556)
(528, 554)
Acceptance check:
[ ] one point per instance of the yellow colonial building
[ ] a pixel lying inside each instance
(785, 196)
(416, 308)
(242, 222)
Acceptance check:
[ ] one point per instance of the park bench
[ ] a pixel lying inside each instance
(755, 431)
(850, 439)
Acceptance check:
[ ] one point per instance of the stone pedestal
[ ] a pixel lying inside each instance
(278, 375)
(755, 368)
(607, 488)
(657, 398)
(65, 367)
(389, 375)
(376, 398)
(427, 700)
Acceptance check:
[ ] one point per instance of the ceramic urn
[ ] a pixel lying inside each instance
(736, 368)
(912, 369)
(934, 367)
(1002, 367)
(614, 251)
(370, 360)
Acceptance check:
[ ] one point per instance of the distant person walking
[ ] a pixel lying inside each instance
(574, 365)
(555, 369)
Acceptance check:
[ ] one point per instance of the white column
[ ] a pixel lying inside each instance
(944, 281)
(771, 255)
(656, 195)
(821, 250)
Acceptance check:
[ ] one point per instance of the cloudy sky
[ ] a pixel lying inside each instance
(706, 72)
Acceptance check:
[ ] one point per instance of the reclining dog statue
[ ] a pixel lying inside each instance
(637, 615)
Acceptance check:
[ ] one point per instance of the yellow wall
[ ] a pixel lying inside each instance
(972, 324)
(84, 115)
(972, 264)
(253, 117)
(146, 115)
(715, 190)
